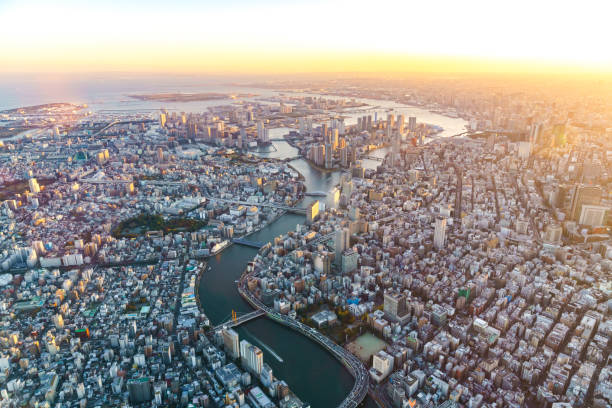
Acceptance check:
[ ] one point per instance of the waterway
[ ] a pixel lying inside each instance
(309, 370)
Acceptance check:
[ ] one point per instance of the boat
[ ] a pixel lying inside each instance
(219, 247)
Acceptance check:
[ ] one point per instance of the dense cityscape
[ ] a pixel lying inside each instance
(440, 270)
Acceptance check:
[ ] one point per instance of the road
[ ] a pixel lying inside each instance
(352, 363)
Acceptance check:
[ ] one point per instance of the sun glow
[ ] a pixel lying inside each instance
(301, 36)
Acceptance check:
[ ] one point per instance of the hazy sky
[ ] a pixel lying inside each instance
(302, 35)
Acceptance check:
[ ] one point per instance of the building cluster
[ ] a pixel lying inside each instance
(482, 290)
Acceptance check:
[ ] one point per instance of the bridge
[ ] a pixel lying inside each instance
(370, 157)
(249, 243)
(350, 361)
(237, 319)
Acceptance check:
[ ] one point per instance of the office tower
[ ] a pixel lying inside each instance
(162, 119)
(241, 138)
(160, 155)
(412, 123)
(440, 233)
(334, 138)
(400, 123)
(320, 155)
(344, 162)
(324, 130)
(342, 242)
(328, 156)
(34, 187)
(231, 342)
(369, 123)
(582, 195)
(312, 212)
(395, 306)
(390, 120)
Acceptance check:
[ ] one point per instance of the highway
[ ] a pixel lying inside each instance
(352, 363)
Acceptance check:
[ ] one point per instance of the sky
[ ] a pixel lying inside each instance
(273, 36)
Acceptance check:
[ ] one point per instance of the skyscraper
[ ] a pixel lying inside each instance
(251, 357)
(328, 156)
(440, 233)
(412, 123)
(231, 342)
(342, 242)
(262, 133)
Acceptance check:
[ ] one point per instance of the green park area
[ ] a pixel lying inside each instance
(143, 223)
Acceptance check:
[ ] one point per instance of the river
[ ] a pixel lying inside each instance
(313, 374)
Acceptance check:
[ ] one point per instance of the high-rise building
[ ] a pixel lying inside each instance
(382, 365)
(139, 390)
(231, 342)
(312, 212)
(582, 195)
(342, 242)
(34, 187)
(328, 156)
(350, 260)
(251, 357)
(162, 119)
(395, 306)
(400, 123)
(262, 133)
(440, 233)
(412, 123)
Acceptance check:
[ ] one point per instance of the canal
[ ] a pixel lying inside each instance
(313, 374)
